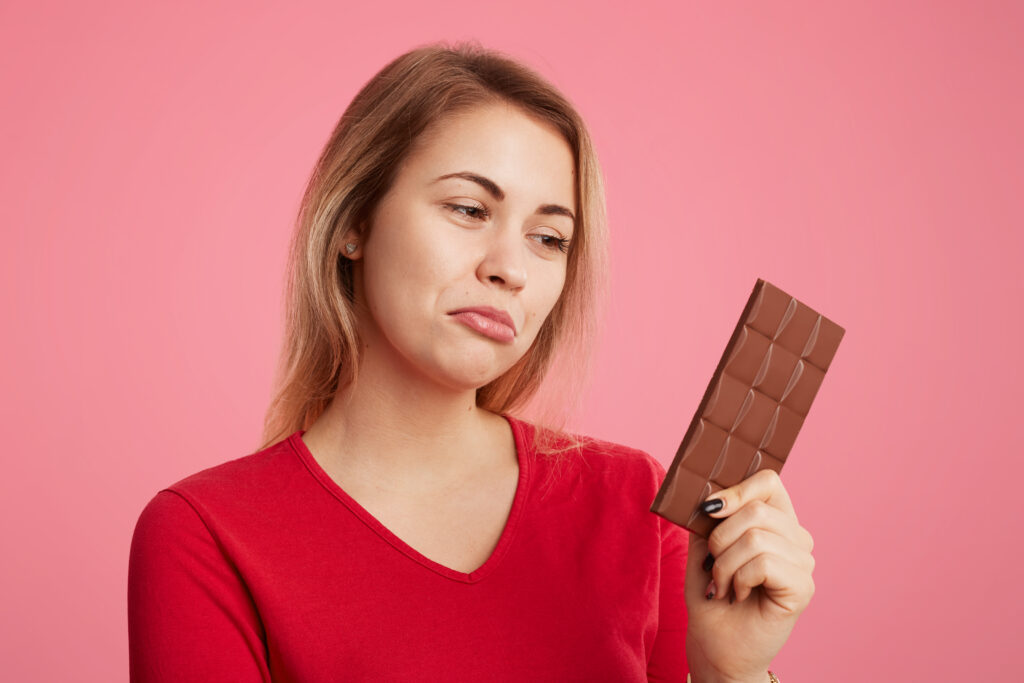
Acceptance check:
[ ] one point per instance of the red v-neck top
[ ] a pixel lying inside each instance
(264, 569)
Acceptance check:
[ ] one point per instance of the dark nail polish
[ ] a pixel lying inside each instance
(710, 595)
(713, 505)
(709, 562)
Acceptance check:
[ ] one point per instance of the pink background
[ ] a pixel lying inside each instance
(866, 157)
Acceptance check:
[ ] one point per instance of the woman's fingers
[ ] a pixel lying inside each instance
(760, 515)
(788, 586)
(763, 485)
(760, 556)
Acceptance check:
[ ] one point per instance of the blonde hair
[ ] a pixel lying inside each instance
(320, 353)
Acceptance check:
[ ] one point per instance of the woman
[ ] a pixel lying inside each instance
(398, 522)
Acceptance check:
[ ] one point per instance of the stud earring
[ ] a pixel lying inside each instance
(350, 248)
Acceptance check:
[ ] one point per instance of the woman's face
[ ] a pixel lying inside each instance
(473, 230)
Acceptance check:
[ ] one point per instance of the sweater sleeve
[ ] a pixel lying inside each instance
(668, 655)
(190, 615)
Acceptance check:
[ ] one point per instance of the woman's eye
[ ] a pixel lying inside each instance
(469, 211)
(554, 242)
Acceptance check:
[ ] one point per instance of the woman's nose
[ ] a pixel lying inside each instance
(505, 260)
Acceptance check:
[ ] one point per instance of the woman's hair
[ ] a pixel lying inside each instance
(356, 168)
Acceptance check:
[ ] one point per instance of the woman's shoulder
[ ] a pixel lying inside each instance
(198, 527)
(256, 475)
(252, 468)
(619, 461)
(594, 454)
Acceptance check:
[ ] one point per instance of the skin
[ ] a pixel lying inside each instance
(408, 442)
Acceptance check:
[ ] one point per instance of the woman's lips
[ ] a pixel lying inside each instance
(491, 323)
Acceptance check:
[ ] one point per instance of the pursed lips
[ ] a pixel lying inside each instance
(490, 313)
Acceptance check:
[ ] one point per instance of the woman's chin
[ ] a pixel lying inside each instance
(472, 382)
(470, 376)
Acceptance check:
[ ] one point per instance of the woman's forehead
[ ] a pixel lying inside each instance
(515, 151)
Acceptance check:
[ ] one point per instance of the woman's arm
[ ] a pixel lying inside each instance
(668, 656)
(190, 615)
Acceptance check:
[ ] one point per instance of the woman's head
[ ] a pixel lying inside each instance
(395, 117)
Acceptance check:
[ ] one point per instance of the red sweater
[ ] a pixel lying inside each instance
(264, 569)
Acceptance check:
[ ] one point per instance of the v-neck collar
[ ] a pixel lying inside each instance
(523, 456)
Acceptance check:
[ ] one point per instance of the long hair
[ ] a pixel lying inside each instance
(357, 166)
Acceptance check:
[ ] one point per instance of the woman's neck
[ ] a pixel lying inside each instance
(394, 426)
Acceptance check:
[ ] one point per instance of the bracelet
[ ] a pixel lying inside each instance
(772, 678)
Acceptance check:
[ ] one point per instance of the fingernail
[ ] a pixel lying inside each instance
(711, 590)
(709, 562)
(713, 505)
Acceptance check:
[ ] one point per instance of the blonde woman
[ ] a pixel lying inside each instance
(399, 523)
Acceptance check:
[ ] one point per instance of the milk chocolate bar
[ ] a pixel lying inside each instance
(754, 406)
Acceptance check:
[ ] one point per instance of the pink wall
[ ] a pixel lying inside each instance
(868, 159)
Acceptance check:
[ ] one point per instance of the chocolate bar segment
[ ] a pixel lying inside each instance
(754, 406)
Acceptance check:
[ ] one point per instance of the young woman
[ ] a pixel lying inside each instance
(399, 523)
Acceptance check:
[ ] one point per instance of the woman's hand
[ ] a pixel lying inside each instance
(761, 582)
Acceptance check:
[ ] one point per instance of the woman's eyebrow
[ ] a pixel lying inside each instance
(499, 194)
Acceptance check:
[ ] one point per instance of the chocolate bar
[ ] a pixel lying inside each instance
(754, 406)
